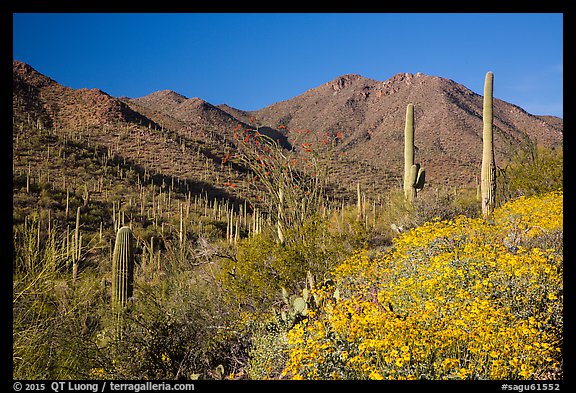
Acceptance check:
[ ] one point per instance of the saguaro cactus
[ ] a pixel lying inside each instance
(488, 176)
(358, 201)
(122, 268)
(77, 249)
(413, 175)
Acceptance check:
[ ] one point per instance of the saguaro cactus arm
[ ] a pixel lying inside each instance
(417, 176)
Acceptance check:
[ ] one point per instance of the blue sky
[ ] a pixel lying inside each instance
(249, 61)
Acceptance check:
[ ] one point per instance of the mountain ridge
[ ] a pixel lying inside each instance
(56, 105)
(368, 115)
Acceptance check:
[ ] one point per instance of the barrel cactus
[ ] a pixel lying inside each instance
(122, 268)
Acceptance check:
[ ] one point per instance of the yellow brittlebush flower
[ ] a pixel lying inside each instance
(462, 298)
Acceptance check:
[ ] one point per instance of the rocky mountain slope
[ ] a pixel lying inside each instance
(58, 106)
(448, 121)
(365, 116)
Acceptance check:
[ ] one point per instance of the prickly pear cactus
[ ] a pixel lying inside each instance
(296, 307)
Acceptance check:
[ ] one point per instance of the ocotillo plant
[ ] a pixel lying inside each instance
(122, 268)
(488, 175)
(302, 178)
(281, 216)
(413, 174)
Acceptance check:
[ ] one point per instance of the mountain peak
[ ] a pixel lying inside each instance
(198, 103)
(60, 106)
(344, 81)
(20, 65)
(27, 73)
(409, 78)
(163, 100)
(165, 95)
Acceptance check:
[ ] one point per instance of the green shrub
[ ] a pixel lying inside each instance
(54, 320)
(176, 327)
(532, 171)
(262, 265)
(269, 348)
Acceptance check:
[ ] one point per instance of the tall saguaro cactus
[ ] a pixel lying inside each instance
(413, 175)
(122, 268)
(488, 176)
